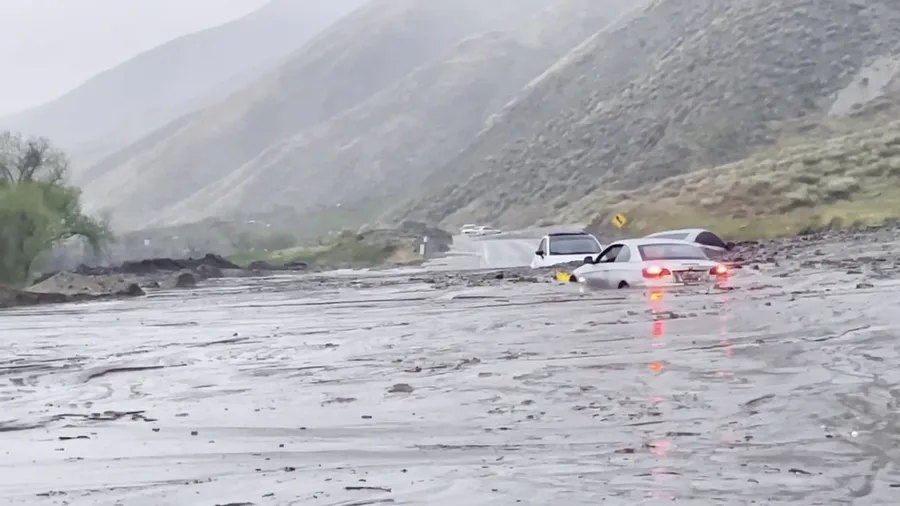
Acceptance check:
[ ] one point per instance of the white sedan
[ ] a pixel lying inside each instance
(485, 230)
(712, 244)
(649, 263)
(468, 229)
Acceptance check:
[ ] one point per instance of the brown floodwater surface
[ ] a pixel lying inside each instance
(395, 390)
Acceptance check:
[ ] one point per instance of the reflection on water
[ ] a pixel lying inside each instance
(658, 446)
(663, 308)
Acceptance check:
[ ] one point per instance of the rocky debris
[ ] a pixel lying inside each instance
(810, 247)
(186, 280)
(70, 283)
(208, 263)
(69, 287)
(153, 273)
(127, 280)
(211, 271)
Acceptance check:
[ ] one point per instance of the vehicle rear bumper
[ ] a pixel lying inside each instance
(596, 282)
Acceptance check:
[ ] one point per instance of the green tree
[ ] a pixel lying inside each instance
(38, 208)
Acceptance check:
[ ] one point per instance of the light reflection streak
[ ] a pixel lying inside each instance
(659, 447)
(662, 475)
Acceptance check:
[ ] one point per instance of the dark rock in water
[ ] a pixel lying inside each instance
(260, 265)
(186, 280)
(133, 290)
(401, 388)
(210, 272)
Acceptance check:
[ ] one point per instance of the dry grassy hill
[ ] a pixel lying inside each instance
(144, 93)
(686, 85)
(365, 53)
(850, 179)
(396, 138)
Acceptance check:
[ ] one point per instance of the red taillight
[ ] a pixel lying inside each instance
(655, 271)
(719, 270)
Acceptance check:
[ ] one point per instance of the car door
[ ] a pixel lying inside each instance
(541, 260)
(601, 272)
(620, 268)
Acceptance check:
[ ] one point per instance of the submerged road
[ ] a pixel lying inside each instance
(492, 252)
(410, 390)
(502, 252)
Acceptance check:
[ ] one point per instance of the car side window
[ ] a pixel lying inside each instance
(610, 254)
(624, 255)
(710, 239)
(543, 245)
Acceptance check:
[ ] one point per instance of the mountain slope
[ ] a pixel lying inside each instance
(363, 54)
(688, 84)
(155, 87)
(396, 138)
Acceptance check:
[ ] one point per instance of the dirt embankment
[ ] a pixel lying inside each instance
(130, 279)
(135, 278)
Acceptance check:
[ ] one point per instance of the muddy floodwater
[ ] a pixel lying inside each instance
(783, 389)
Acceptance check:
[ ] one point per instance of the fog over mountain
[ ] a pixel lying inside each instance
(512, 112)
(120, 105)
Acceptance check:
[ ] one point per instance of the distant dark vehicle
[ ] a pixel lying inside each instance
(712, 244)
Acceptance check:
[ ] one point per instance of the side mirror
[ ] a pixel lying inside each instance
(589, 259)
(539, 253)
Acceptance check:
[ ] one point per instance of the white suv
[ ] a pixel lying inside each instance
(565, 247)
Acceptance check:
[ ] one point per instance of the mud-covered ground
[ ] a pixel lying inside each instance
(465, 388)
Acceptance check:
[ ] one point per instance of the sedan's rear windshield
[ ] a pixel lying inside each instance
(671, 252)
(679, 236)
(574, 245)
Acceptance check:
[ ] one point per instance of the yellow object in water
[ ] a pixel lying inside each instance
(563, 277)
(619, 220)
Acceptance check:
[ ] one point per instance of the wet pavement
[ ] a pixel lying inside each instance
(465, 388)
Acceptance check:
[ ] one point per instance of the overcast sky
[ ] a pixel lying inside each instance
(48, 47)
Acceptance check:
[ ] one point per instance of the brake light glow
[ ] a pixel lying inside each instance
(655, 272)
(719, 270)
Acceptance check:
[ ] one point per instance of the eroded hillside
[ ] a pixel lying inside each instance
(687, 85)
(364, 54)
(395, 139)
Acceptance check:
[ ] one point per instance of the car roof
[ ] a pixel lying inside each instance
(679, 231)
(644, 241)
(576, 233)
